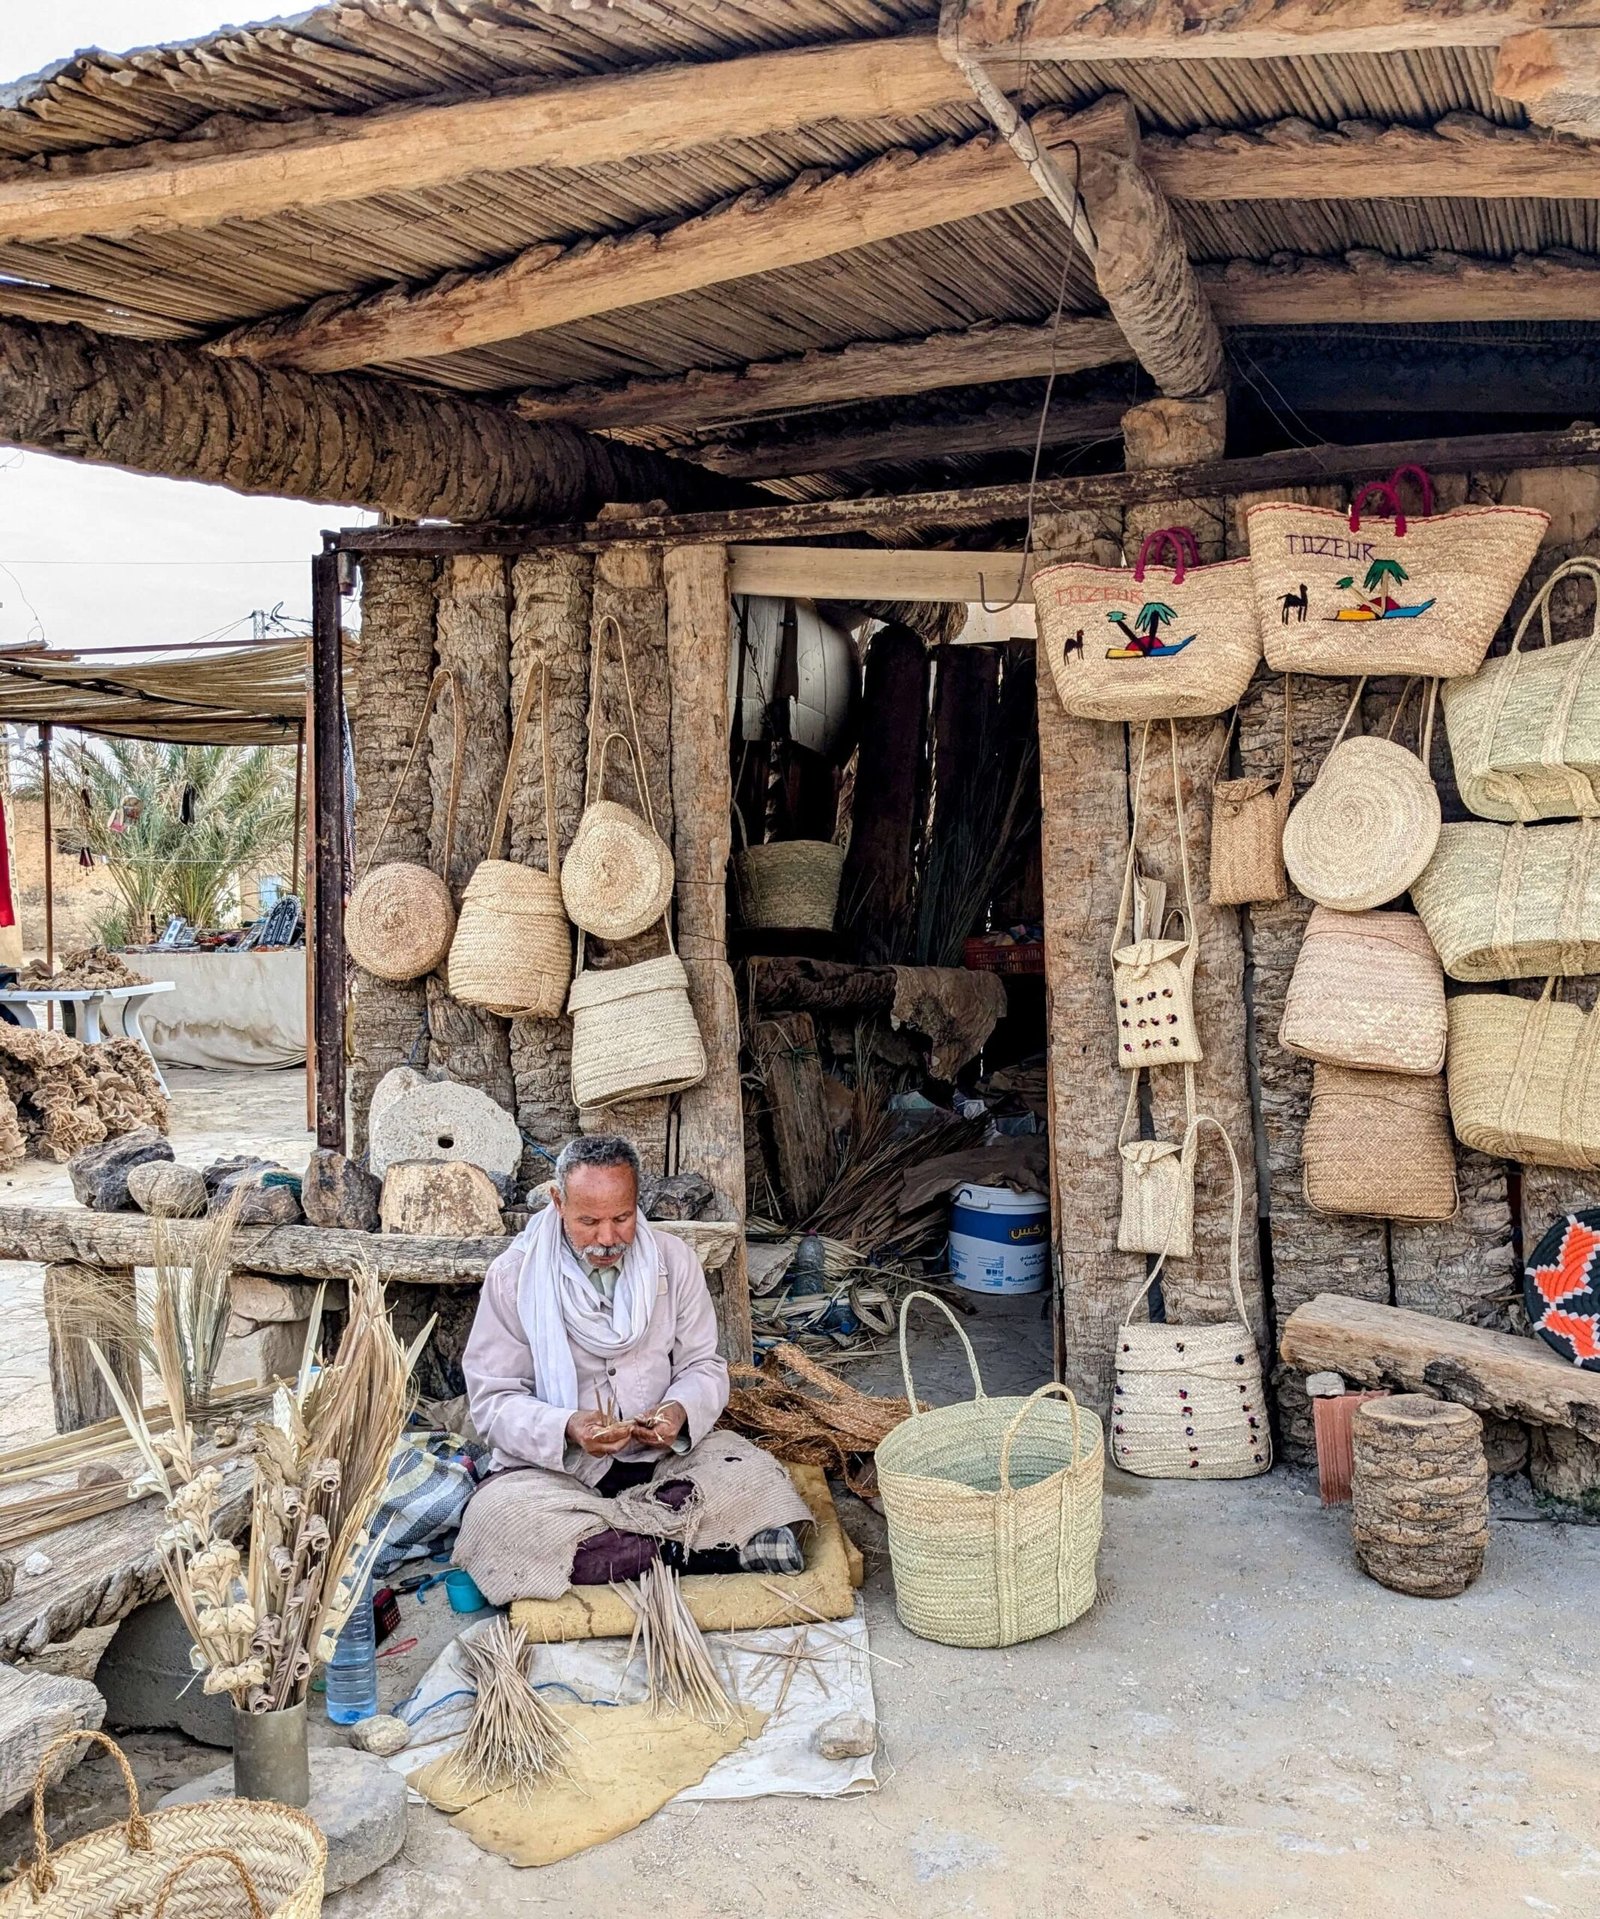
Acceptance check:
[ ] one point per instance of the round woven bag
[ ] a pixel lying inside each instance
(400, 919)
(1368, 826)
(220, 1859)
(617, 876)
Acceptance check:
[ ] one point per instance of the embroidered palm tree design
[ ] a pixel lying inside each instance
(1375, 601)
(1143, 641)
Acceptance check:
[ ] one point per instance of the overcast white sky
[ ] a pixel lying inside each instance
(96, 557)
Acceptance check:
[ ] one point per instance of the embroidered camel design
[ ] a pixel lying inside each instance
(1074, 645)
(1296, 603)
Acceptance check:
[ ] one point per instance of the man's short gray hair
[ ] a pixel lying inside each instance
(597, 1149)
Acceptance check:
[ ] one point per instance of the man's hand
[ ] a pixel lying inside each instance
(598, 1436)
(661, 1427)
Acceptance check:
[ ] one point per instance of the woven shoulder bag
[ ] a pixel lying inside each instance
(1513, 902)
(1367, 991)
(1150, 642)
(1153, 978)
(1338, 595)
(1525, 733)
(1378, 1146)
(400, 918)
(1157, 1213)
(634, 1033)
(1188, 1402)
(1525, 1078)
(1247, 818)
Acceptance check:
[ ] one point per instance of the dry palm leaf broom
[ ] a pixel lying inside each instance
(515, 1739)
(679, 1675)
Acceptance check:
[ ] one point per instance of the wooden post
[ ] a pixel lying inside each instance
(46, 733)
(299, 803)
(327, 692)
(875, 894)
(79, 1393)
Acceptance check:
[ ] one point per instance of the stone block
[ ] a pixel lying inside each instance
(340, 1193)
(222, 1169)
(444, 1199)
(849, 1736)
(270, 1352)
(677, 1196)
(268, 1302)
(441, 1120)
(261, 1203)
(35, 1708)
(99, 1174)
(167, 1191)
(149, 1685)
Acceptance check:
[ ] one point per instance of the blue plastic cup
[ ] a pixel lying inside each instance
(461, 1589)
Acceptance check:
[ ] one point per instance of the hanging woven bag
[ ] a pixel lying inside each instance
(1247, 818)
(993, 1508)
(1188, 1402)
(258, 1858)
(634, 1034)
(617, 877)
(1378, 1146)
(1367, 991)
(1152, 979)
(1525, 1078)
(1337, 594)
(1370, 822)
(400, 918)
(512, 953)
(787, 884)
(1157, 1212)
(1513, 902)
(1525, 733)
(1150, 642)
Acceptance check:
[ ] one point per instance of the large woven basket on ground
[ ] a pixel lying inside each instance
(1525, 733)
(184, 1863)
(1378, 1145)
(1338, 593)
(994, 1510)
(1525, 1078)
(1367, 991)
(1149, 642)
(1513, 902)
(634, 1034)
(789, 883)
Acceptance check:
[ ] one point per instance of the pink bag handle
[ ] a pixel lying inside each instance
(1172, 536)
(1424, 485)
(1191, 544)
(1386, 489)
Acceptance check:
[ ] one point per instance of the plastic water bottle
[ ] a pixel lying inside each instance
(353, 1669)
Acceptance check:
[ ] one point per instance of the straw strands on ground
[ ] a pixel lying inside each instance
(805, 1415)
(679, 1675)
(515, 1739)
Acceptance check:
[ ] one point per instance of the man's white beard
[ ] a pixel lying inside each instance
(593, 1257)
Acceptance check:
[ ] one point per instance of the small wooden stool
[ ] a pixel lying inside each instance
(1421, 1494)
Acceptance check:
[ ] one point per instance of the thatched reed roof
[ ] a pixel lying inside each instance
(245, 697)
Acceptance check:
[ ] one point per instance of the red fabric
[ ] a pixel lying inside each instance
(8, 914)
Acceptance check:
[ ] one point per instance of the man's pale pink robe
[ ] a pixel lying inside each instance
(677, 1358)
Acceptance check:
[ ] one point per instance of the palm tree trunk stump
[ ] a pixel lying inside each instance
(1421, 1494)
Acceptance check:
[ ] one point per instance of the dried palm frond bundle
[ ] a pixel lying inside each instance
(679, 1675)
(803, 1414)
(515, 1739)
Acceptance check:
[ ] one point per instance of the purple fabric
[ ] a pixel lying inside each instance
(617, 1555)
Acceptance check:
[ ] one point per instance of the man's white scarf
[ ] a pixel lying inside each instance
(561, 1307)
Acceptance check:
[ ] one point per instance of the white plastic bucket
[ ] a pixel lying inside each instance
(999, 1240)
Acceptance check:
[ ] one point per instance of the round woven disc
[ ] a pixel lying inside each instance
(399, 922)
(1366, 829)
(617, 876)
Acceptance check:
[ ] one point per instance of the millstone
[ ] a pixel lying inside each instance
(440, 1120)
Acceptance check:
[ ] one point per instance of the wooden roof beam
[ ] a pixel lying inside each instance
(1556, 76)
(1247, 29)
(1364, 286)
(251, 171)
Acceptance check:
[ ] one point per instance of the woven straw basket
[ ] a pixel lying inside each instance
(1336, 595)
(1247, 818)
(221, 1859)
(1151, 642)
(617, 877)
(400, 918)
(1525, 734)
(1367, 991)
(788, 883)
(1524, 1083)
(634, 1034)
(1152, 980)
(1378, 1145)
(1157, 1210)
(1513, 902)
(993, 1508)
(1369, 824)
(1188, 1402)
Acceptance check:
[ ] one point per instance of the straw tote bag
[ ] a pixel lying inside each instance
(1181, 643)
(1247, 818)
(617, 877)
(1188, 1402)
(787, 883)
(1514, 902)
(634, 1034)
(1523, 1078)
(993, 1508)
(1367, 991)
(1370, 822)
(1525, 734)
(400, 919)
(1377, 1145)
(1424, 596)
(1157, 1214)
(208, 1861)
(512, 953)
(1153, 979)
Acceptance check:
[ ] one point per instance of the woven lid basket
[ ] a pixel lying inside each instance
(1367, 991)
(217, 1860)
(1378, 1146)
(787, 883)
(1370, 822)
(400, 918)
(634, 1034)
(994, 1509)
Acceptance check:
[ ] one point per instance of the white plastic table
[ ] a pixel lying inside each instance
(91, 1013)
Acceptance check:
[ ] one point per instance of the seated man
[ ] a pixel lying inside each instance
(593, 1355)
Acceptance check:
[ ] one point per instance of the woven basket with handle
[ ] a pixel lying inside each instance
(1247, 817)
(220, 1859)
(1340, 594)
(787, 883)
(1513, 902)
(1525, 1078)
(1378, 1145)
(1367, 991)
(634, 1033)
(994, 1509)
